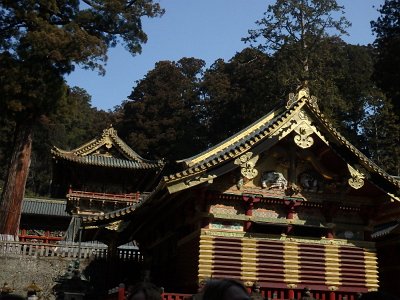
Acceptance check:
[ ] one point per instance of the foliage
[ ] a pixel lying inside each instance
(67, 32)
(237, 93)
(163, 117)
(381, 132)
(300, 25)
(387, 43)
(73, 123)
(40, 42)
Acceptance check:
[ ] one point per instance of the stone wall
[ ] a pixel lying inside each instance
(19, 271)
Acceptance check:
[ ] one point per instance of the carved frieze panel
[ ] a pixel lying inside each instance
(229, 207)
(226, 226)
(223, 209)
(269, 211)
(265, 213)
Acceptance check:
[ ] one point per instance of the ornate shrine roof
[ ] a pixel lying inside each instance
(301, 116)
(107, 150)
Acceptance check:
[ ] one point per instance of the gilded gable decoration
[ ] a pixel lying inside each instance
(303, 138)
(302, 93)
(293, 98)
(200, 179)
(358, 174)
(247, 164)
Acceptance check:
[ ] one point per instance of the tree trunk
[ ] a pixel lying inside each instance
(14, 186)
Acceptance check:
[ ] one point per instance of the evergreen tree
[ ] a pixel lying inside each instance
(381, 132)
(73, 123)
(40, 41)
(164, 114)
(299, 26)
(238, 92)
(387, 43)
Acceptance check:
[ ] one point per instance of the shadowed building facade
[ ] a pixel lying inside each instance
(287, 202)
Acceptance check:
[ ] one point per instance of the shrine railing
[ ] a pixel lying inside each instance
(132, 197)
(17, 248)
(118, 293)
(283, 294)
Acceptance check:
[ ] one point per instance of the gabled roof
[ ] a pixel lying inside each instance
(44, 207)
(107, 150)
(301, 116)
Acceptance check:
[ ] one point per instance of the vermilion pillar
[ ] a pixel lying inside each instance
(291, 208)
(291, 294)
(332, 295)
(249, 200)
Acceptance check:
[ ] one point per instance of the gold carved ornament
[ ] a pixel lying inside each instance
(247, 164)
(357, 176)
(303, 138)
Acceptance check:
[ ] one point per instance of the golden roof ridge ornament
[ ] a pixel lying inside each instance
(302, 93)
(109, 131)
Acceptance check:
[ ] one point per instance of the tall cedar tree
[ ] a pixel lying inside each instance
(237, 93)
(252, 83)
(303, 37)
(387, 43)
(73, 123)
(40, 41)
(381, 132)
(163, 117)
(300, 24)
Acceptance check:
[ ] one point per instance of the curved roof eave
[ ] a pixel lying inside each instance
(109, 135)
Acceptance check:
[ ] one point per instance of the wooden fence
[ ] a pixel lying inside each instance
(17, 248)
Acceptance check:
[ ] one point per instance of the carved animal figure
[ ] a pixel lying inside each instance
(273, 180)
(310, 182)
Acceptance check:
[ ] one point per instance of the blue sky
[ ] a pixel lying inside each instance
(204, 29)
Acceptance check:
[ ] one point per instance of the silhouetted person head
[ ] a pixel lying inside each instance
(377, 296)
(306, 294)
(11, 297)
(145, 291)
(225, 289)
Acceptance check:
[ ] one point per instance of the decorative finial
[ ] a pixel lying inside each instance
(303, 92)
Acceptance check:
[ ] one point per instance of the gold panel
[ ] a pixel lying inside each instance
(206, 256)
(249, 260)
(371, 270)
(291, 262)
(249, 268)
(332, 265)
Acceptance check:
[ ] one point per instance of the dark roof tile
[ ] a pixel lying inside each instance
(45, 207)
